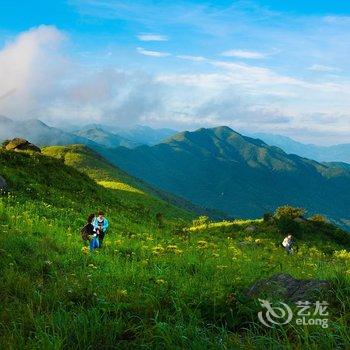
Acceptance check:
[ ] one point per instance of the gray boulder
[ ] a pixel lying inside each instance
(287, 288)
(250, 228)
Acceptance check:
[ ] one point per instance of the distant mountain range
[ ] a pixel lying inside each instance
(93, 135)
(244, 177)
(145, 135)
(105, 138)
(336, 153)
(136, 135)
(38, 133)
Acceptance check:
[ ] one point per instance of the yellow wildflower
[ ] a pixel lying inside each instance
(202, 244)
(122, 292)
(342, 254)
(158, 249)
(220, 267)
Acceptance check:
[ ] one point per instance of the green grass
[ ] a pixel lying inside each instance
(96, 167)
(149, 287)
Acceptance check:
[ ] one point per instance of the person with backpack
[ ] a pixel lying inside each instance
(100, 224)
(88, 233)
(287, 244)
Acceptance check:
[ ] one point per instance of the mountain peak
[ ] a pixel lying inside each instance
(34, 123)
(204, 137)
(223, 128)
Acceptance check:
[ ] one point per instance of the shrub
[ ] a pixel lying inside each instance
(289, 212)
(320, 219)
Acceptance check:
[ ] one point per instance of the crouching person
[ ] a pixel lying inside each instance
(287, 244)
(100, 224)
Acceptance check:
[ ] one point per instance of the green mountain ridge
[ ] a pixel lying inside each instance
(244, 177)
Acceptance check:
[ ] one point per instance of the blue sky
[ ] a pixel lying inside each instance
(271, 66)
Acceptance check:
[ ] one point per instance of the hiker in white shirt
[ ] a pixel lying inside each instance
(287, 244)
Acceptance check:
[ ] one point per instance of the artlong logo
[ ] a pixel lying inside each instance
(277, 315)
(283, 314)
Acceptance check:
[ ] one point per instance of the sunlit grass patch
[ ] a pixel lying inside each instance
(119, 186)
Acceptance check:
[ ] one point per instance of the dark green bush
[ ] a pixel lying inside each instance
(268, 217)
(286, 225)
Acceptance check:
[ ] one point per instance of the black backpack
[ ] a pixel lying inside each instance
(85, 232)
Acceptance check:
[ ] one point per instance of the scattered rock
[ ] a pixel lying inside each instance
(3, 184)
(19, 144)
(250, 228)
(287, 288)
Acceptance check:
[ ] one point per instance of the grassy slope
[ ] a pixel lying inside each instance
(148, 287)
(96, 167)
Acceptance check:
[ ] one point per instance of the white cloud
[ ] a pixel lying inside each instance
(38, 81)
(30, 67)
(145, 52)
(248, 74)
(244, 54)
(192, 58)
(323, 68)
(152, 37)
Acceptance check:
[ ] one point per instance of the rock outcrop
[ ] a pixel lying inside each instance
(19, 144)
(287, 288)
